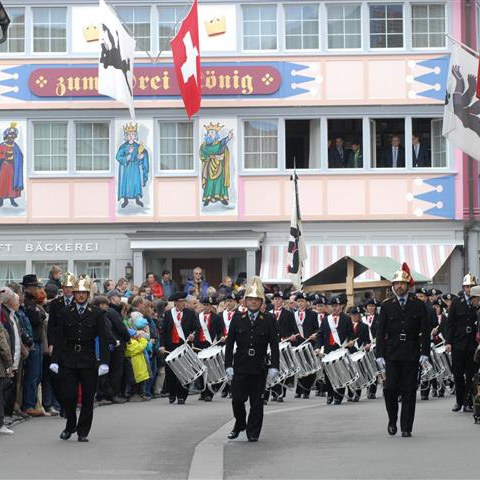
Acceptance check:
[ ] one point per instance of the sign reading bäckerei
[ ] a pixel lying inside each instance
(49, 247)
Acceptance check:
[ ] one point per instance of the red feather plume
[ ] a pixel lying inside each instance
(406, 269)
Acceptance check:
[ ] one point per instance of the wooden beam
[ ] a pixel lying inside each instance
(350, 281)
(343, 286)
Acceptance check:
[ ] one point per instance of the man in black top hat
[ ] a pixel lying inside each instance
(371, 320)
(179, 326)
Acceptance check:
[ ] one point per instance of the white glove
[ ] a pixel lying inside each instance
(229, 372)
(381, 363)
(54, 367)
(272, 374)
(103, 369)
(423, 359)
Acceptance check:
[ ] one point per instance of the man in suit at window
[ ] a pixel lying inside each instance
(420, 153)
(355, 156)
(394, 156)
(337, 155)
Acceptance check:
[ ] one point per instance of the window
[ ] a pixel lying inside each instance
(344, 26)
(260, 27)
(42, 269)
(345, 143)
(98, 271)
(11, 272)
(261, 143)
(386, 26)
(92, 146)
(428, 144)
(388, 142)
(428, 25)
(301, 27)
(16, 32)
(50, 146)
(49, 29)
(176, 145)
(137, 21)
(169, 23)
(302, 144)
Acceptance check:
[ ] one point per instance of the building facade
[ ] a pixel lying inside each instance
(329, 87)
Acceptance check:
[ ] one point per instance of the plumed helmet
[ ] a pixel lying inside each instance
(469, 280)
(403, 275)
(255, 288)
(68, 279)
(82, 284)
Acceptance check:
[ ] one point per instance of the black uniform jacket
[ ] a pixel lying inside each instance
(216, 330)
(403, 334)
(344, 330)
(74, 345)
(189, 325)
(462, 325)
(374, 326)
(287, 325)
(252, 342)
(361, 333)
(310, 325)
(55, 309)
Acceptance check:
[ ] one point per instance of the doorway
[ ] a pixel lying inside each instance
(182, 269)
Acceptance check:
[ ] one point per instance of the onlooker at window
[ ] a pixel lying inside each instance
(420, 153)
(168, 284)
(355, 156)
(197, 286)
(54, 276)
(151, 281)
(337, 156)
(394, 156)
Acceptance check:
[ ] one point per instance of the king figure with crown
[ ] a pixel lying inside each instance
(133, 167)
(215, 158)
(11, 167)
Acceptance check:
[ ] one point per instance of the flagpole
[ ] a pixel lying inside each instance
(465, 47)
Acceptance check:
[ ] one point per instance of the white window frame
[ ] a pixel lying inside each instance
(363, 29)
(138, 52)
(186, 8)
(77, 272)
(279, 34)
(26, 32)
(282, 30)
(156, 156)
(74, 152)
(410, 20)
(30, 36)
(404, 34)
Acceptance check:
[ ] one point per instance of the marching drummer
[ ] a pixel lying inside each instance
(253, 332)
(335, 331)
(403, 340)
(210, 332)
(321, 306)
(231, 307)
(179, 327)
(371, 319)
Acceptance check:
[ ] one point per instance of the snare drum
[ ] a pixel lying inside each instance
(307, 362)
(284, 370)
(339, 368)
(186, 366)
(443, 361)
(214, 360)
(361, 363)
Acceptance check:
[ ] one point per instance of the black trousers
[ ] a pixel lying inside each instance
(402, 378)
(115, 374)
(336, 394)
(248, 387)
(174, 387)
(463, 368)
(87, 379)
(304, 385)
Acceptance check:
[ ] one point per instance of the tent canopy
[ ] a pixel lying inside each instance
(336, 273)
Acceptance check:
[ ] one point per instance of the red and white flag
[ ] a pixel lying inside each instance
(186, 57)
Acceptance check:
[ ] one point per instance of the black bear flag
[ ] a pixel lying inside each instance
(297, 253)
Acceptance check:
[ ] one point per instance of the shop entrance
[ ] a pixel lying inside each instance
(182, 270)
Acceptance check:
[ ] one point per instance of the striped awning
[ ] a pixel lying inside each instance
(424, 258)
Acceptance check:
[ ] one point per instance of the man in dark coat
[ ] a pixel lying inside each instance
(403, 340)
(335, 332)
(253, 332)
(394, 156)
(179, 326)
(371, 320)
(461, 341)
(74, 358)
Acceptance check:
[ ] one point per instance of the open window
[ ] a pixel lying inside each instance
(345, 143)
(428, 145)
(302, 143)
(388, 142)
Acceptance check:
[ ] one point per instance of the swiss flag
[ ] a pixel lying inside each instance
(186, 57)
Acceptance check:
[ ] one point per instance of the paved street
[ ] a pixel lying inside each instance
(302, 439)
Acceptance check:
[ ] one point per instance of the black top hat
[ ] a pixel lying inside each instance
(338, 300)
(177, 296)
(319, 299)
(372, 301)
(209, 300)
(355, 311)
(278, 294)
(231, 296)
(422, 290)
(449, 296)
(301, 296)
(30, 280)
(434, 291)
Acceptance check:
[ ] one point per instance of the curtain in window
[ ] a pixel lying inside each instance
(11, 272)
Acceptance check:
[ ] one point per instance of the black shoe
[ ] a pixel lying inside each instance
(208, 399)
(297, 395)
(82, 438)
(356, 399)
(125, 203)
(171, 399)
(337, 402)
(253, 439)
(205, 203)
(441, 394)
(280, 399)
(306, 396)
(13, 203)
(65, 435)
(456, 408)
(371, 396)
(424, 397)
(468, 409)
(329, 400)
(234, 434)
(181, 401)
(273, 399)
(392, 429)
(434, 394)
(224, 394)
(406, 434)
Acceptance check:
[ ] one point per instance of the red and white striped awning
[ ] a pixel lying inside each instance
(426, 259)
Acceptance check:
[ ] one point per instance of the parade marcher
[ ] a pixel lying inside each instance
(362, 336)
(322, 309)
(231, 307)
(335, 331)
(252, 332)
(307, 325)
(403, 341)
(74, 358)
(179, 326)
(461, 342)
(371, 319)
(438, 334)
(211, 331)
